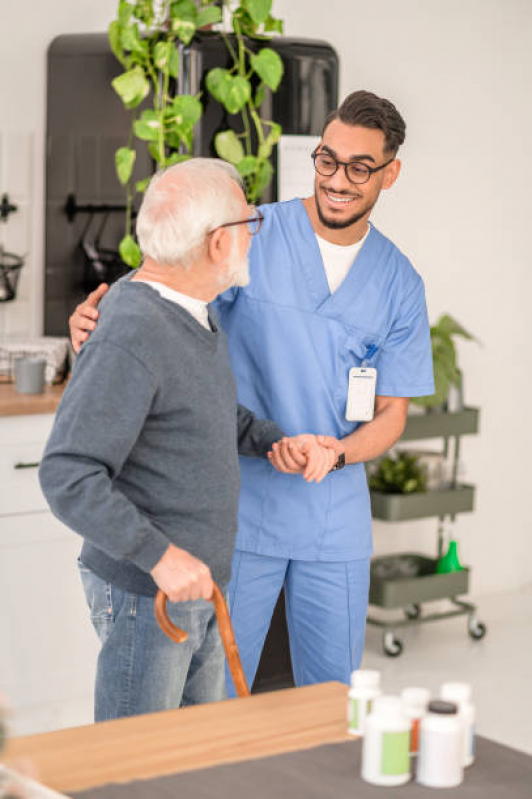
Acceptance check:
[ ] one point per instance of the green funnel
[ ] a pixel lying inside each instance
(450, 561)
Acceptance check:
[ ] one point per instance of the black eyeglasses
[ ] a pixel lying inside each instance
(253, 223)
(355, 171)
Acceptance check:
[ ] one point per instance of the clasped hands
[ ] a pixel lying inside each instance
(311, 456)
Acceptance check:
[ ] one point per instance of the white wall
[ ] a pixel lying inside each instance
(460, 72)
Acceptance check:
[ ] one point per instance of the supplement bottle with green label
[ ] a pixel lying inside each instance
(365, 687)
(385, 748)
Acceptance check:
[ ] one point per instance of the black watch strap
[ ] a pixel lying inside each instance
(340, 463)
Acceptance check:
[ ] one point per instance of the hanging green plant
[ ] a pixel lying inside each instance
(145, 37)
(445, 362)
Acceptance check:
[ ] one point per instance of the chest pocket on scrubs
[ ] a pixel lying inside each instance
(360, 347)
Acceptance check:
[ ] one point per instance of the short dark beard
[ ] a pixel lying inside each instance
(340, 224)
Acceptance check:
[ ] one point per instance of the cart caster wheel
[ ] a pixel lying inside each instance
(413, 611)
(392, 646)
(476, 629)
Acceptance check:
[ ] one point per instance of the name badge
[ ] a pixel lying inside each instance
(361, 394)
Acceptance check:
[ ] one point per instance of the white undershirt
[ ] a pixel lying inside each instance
(196, 308)
(338, 259)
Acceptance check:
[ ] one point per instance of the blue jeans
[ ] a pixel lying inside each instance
(140, 670)
(326, 605)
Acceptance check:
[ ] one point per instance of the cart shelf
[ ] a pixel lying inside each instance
(426, 586)
(407, 593)
(440, 424)
(420, 505)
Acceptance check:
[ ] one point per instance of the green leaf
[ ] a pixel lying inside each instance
(218, 83)
(183, 16)
(243, 23)
(268, 66)
(177, 158)
(264, 178)
(275, 133)
(124, 161)
(166, 57)
(187, 110)
(228, 146)
(148, 126)
(274, 25)
(239, 94)
(272, 138)
(248, 165)
(132, 87)
(185, 29)
(114, 40)
(131, 40)
(144, 11)
(155, 153)
(130, 251)
(142, 185)
(232, 92)
(259, 94)
(160, 54)
(259, 10)
(183, 9)
(173, 61)
(209, 16)
(124, 13)
(448, 326)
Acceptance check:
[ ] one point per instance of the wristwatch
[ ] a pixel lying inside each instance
(340, 463)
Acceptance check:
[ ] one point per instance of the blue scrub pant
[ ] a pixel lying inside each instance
(326, 605)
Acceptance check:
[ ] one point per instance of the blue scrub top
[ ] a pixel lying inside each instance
(292, 344)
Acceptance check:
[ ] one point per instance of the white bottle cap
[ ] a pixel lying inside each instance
(416, 698)
(456, 691)
(364, 678)
(388, 705)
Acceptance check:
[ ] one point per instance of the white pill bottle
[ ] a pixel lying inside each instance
(460, 694)
(365, 688)
(439, 763)
(386, 744)
(415, 701)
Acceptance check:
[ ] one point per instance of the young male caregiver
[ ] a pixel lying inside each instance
(328, 292)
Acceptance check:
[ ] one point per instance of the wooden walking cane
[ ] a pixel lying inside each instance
(226, 633)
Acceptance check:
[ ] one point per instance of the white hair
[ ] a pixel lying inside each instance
(182, 204)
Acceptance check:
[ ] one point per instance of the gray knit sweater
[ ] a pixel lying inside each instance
(143, 451)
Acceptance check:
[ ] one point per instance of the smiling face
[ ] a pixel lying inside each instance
(339, 202)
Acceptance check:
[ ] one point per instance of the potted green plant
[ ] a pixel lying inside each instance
(148, 38)
(445, 361)
(398, 474)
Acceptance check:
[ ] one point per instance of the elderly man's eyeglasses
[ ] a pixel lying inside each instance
(355, 171)
(253, 222)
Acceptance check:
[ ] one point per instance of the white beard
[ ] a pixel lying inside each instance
(238, 269)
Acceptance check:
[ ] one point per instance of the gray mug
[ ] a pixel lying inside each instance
(29, 375)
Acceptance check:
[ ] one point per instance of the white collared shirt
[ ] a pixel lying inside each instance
(196, 308)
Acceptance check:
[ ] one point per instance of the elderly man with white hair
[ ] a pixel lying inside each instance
(142, 461)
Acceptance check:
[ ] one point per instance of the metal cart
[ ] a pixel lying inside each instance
(408, 594)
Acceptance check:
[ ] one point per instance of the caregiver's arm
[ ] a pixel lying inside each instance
(373, 438)
(367, 442)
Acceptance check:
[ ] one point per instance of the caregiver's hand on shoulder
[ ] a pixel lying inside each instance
(182, 577)
(302, 455)
(83, 320)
